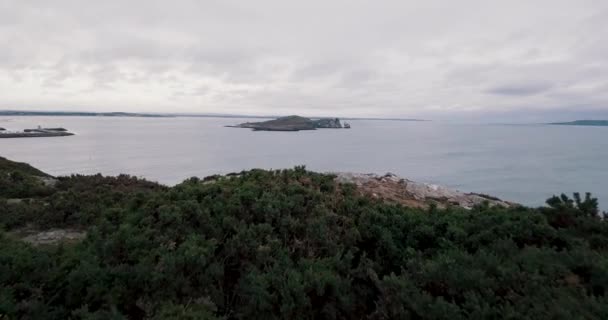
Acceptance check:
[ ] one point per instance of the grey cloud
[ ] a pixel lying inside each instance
(521, 89)
(394, 58)
(356, 78)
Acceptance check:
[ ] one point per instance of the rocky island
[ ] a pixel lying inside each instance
(293, 123)
(35, 133)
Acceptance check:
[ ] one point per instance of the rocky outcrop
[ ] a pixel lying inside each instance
(328, 123)
(52, 236)
(48, 181)
(392, 188)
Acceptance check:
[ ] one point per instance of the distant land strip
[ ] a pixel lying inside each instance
(595, 123)
(169, 115)
(78, 114)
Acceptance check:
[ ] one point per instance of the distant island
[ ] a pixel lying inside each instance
(595, 123)
(293, 123)
(35, 133)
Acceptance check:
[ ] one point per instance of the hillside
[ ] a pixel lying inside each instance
(290, 244)
(20, 180)
(7, 166)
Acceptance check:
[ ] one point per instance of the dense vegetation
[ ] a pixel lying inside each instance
(7, 167)
(293, 244)
(20, 180)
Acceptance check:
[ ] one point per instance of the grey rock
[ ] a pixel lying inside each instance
(392, 188)
(53, 236)
(48, 181)
(328, 123)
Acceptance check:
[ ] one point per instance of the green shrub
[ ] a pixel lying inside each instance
(289, 244)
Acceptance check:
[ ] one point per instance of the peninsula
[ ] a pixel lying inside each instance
(594, 123)
(35, 133)
(293, 123)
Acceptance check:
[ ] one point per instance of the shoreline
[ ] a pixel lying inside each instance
(34, 135)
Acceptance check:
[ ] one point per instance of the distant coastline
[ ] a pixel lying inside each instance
(79, 114)
(593, 123)
(173, 115)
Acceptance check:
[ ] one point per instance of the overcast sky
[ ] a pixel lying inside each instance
(434, 59)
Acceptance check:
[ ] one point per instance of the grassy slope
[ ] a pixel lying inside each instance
(20, 180)
(7, 166)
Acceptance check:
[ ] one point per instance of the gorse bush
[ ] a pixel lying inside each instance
(293, 244)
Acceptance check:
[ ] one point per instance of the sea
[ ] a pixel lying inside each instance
(521, 163)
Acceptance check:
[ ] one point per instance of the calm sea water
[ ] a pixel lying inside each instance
(523, 163)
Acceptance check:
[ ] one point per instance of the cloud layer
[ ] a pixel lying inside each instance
(434, 59)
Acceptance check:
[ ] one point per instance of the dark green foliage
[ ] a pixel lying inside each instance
(24, 168)
(292, 244)
(20, 180)
(73, 201)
